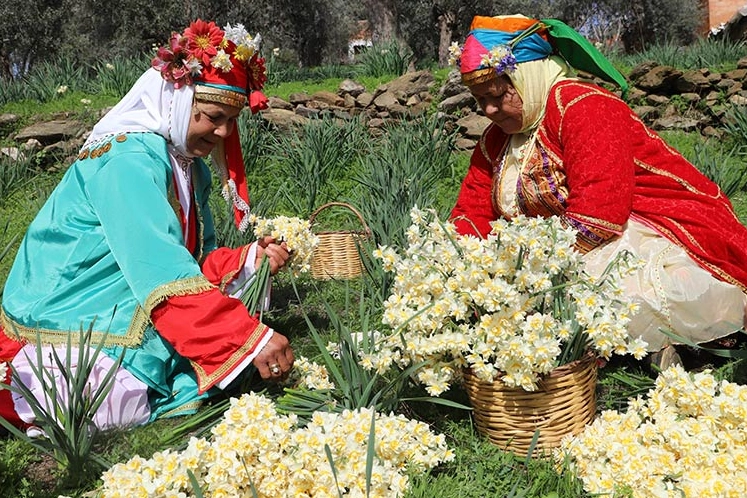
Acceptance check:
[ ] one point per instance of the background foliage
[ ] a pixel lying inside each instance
(309, 32)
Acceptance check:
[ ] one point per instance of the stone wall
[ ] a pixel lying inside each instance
(664, 97)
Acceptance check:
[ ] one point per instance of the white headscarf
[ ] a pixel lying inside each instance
(151, 105)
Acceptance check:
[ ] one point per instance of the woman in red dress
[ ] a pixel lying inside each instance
(564, 147)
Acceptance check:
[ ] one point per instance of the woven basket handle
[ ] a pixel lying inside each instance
(318, 210)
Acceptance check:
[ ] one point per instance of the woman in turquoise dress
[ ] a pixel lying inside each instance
(125, 245)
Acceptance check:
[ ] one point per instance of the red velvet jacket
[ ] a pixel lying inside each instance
(596, 165)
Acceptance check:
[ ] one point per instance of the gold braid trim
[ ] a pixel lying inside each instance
(681, 181)
(715, 270)
(132, 337)
(183, 287)
(230, 275)
(183, 410)
(222, 96)
(479, 76)
(204, 380)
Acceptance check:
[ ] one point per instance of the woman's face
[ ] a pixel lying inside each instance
(209, 122)
(500, 102)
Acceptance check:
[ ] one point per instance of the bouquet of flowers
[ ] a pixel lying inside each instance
(517, 302)
(300, 240)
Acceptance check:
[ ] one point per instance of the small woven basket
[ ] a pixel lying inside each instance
(564, 403)
(338, 254)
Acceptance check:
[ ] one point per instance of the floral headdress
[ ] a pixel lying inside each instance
(224, 66)
(204, 53)
(495, 45)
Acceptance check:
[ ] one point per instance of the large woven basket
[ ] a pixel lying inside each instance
(338, 254)
(563, 404)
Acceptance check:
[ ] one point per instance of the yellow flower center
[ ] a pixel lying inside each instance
(203, 42)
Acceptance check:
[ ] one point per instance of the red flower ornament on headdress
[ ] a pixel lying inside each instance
(204, 40)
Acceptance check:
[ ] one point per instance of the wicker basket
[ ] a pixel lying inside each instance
(563, 404)
(338, 255)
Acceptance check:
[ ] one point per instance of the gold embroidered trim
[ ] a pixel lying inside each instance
(132, 337)
(186, 407)
(204, 381)
(479, 76)
(230, 275)
(182, 287)
(205, 93)
(200, 228)
(613, 227)
(669, 175)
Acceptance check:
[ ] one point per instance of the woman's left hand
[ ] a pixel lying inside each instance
(277, 254)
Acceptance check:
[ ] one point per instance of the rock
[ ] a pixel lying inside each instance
(51, 131)
(385, 100)
(283, 119)
(659, 79)
(350, 87)
(350, 101)
(646, 111)
(452, 86)
(8, 121)
(655, 99)
(736, 74)
(410, 84)
(329, 98)
(465, 143)
(692, 81)
(364, 99)
(738, 100)
(457, 102)
(13, 153)
(641, 69)
(307, 112)
(676, 123)
(278, 103)
(299, 98)
(473, 125)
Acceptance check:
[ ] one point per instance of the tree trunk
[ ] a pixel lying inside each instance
(383, 18)
(446, 30)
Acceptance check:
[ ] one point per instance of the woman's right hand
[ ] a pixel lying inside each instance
(275, 359)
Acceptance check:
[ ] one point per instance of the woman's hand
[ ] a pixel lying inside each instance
(275, 359)
(277, 254)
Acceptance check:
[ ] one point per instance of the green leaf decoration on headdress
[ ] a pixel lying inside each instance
(581, 54)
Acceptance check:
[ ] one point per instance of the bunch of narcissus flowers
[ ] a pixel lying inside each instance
(517, 303)
(689, 438)
(254, 451)
(297, 235)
